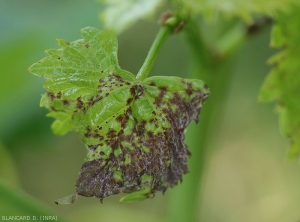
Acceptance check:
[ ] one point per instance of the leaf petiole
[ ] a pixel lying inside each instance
(165, 31)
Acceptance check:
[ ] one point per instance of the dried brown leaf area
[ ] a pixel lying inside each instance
(141, 146)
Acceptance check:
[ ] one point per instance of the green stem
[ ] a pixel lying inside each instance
(161, 37)
(184, 198)
(184, 203)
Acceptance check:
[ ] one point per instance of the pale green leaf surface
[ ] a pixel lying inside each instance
(119, 15)
(133, 130)
(283, 82)
(72, 74)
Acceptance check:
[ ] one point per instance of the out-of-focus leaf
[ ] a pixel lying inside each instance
(119, 15)
(283, 82)
(240, 8)
(14, 202)
(133, 129)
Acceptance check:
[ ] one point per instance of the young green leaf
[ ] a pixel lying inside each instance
(72, 73)
(119, 15)
(133, 129)
(283, 82)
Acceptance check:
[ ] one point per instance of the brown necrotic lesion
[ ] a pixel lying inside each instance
(160, 154)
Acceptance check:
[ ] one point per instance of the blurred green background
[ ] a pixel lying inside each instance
(246, 175)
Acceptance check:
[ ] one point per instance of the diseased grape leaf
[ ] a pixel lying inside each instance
(283, 82)
(119, 15)
(133, 129)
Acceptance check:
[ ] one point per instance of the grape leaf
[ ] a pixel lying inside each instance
(120, 15)
(133, 129)
(283, 82)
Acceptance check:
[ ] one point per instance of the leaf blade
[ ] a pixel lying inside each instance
(133, 130)
(283, 82)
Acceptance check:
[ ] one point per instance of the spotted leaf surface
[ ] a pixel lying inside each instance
(133, 130)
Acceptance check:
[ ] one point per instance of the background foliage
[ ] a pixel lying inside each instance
(246, 177)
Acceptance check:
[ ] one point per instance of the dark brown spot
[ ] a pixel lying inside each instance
(50, 95)
(152, 84)
(58, 95)
(66, 102)
(132, 91)
(163, 88)
(121, 135)
(160, 97)
(189, 91)
(129, 100)
(97, 136)
(88, 129)
(123, 119)
(93, 101)
(152, 121)
(114, 143)
(111, 134)
(87, 45)
(88, 135)
(79, 104)
(52, 108)
(128, 111)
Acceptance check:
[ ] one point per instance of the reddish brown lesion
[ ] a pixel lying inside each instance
(66, 102)
(79, 104)
(159, 98)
